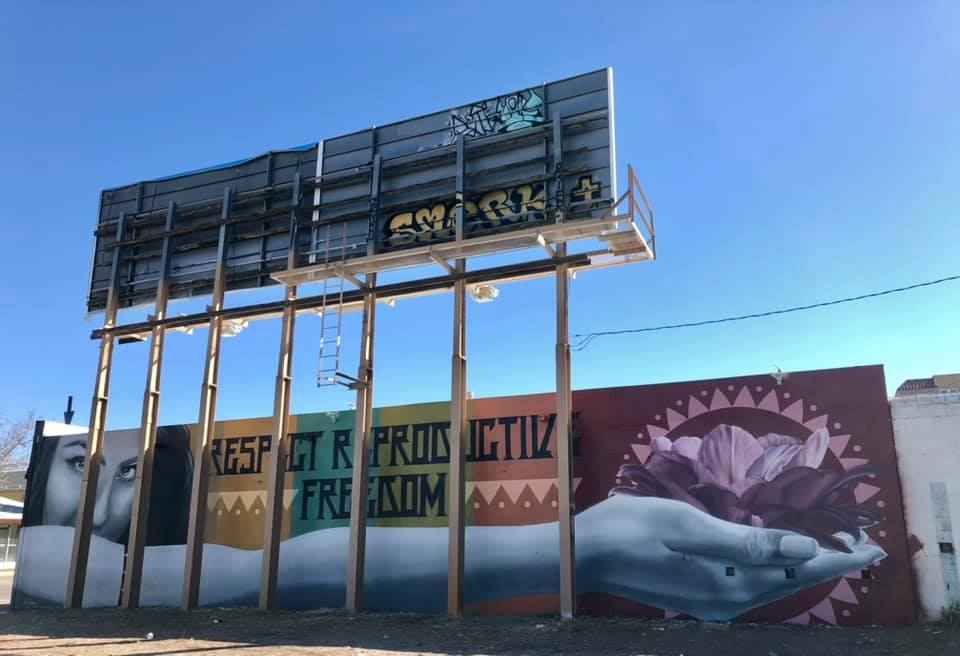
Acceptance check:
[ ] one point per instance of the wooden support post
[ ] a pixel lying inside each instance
(363, 422)
(458, 435)
(458, 416)
(77, 574)
(361, 452)
(565, 502)
(273, 522)
(281, 437)
(206, 422)
(140, 514)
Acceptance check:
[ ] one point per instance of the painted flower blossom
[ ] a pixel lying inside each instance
(771, 481)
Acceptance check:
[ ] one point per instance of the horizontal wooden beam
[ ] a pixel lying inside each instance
(353, 299)
(349, 277)
(362, 440)
(443, 263)
(550, 250)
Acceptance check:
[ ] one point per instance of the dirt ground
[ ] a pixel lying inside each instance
(251, 632)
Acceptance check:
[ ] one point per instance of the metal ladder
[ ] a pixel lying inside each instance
(333, 249)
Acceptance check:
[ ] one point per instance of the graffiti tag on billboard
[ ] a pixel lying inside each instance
(503, 114)
(586, 190)
(495, 209)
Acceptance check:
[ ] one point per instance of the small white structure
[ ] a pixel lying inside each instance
(926, 424)
(11, 512)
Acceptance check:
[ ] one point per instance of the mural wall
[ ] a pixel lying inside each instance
(735, 499)
(785, 499)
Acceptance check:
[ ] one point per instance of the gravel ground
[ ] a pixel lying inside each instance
(251, 632)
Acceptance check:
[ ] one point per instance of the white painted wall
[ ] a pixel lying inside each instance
(927, 434)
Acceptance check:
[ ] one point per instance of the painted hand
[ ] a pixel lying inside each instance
(671, 555)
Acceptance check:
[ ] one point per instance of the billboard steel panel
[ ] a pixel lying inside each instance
(513, 179)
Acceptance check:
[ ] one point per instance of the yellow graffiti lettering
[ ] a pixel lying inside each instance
(400, 229)
(494, 206)
(431, 220)
(529, 201)
(493, 209)
(586, 190)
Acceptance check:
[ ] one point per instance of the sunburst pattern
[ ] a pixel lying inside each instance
(800, 412)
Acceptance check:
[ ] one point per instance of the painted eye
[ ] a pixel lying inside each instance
(77, 463)
(127, 473)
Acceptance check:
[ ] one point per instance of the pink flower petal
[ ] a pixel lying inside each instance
(687, 446)
(816, 422)
(776, 457)
(775, 439)
(811, 455)
(725, 456)
(661, 444)
(782, 452)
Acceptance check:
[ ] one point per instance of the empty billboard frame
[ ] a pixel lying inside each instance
(534, 157)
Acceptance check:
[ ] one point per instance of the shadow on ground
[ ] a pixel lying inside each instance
(249, 632)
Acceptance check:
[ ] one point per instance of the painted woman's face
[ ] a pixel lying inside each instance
(115, 483)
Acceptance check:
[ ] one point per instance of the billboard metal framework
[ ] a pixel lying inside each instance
(533, 169)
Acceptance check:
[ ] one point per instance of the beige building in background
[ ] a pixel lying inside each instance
(926, 424)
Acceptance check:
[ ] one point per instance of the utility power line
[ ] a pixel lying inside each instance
(587, 338)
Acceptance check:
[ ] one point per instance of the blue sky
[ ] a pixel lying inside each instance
(795, 152)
